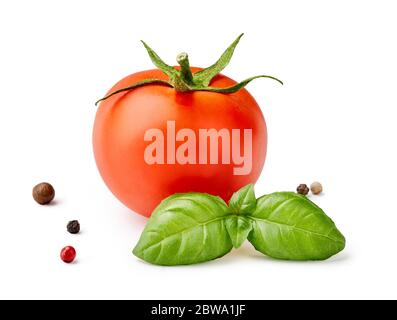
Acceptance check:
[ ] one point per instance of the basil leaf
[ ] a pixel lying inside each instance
(289, 226)
(244, 200)
(238, 228)
(185, 229)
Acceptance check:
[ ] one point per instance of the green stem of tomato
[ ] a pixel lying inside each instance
(186, 74)
(184, 81)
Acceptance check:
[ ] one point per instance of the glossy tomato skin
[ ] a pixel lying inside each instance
(119, 146)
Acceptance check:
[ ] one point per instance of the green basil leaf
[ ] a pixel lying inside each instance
(238, 228)
(244, 200)
(289, 226)
(185, 229)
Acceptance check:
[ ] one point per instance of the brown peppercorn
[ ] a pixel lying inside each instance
(73, 227)
(302, 189)
(316, 187)
(43, 193)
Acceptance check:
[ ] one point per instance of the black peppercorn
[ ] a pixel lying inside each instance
(43, 193)
(73, 227)
(302, 189)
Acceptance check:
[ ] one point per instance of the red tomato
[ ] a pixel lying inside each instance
(123, 119)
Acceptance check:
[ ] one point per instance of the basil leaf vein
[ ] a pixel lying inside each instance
(291, 227)
(185, 229)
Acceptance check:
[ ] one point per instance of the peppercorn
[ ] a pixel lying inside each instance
(316, 187)
(43, 193)
(73, 227)
(68, 254)
(302, 189)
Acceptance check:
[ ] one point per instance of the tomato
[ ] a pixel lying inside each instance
(119, 145)
(183, 130)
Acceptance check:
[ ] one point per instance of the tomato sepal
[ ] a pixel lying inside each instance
(183, 80)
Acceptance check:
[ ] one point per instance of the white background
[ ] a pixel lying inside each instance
(334, 121)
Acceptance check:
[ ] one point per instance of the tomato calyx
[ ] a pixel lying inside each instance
(183, 80)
